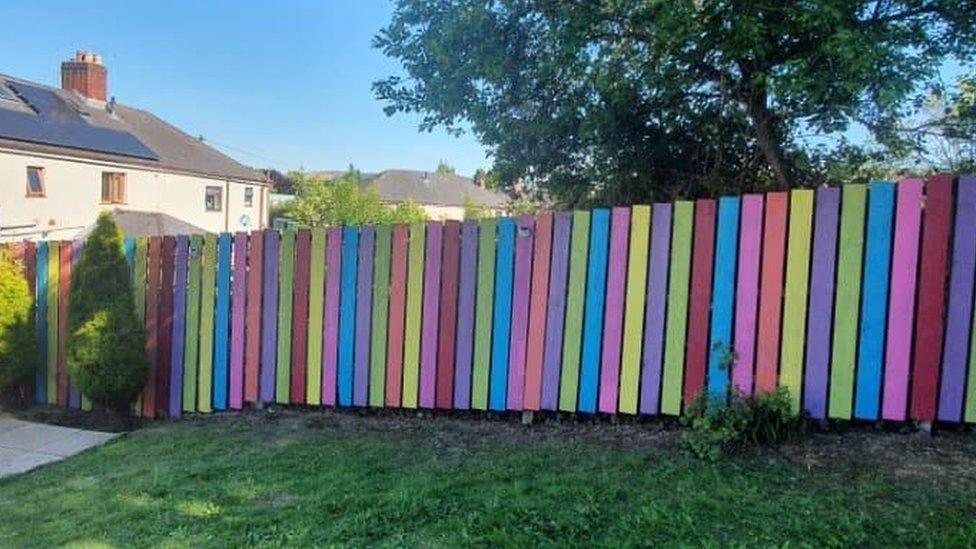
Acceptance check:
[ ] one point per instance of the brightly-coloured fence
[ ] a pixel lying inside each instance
(858, 299)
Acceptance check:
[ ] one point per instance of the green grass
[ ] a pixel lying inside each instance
(333, 479)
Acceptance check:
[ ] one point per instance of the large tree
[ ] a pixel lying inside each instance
(636, 99)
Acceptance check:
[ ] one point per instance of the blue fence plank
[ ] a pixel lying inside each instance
(504, 273)
(347, 313)
(723, 296)
(222, 323)
(596, 282)
(40, 389)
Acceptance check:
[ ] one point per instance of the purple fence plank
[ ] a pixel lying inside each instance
(747, 294)
(74, 395)
(465, 320)
(179, 327)
(959, 317)
(364, 312)
(521, 286)
(558, 273)
(614, 311)
(901, 304)
(657, 292)
(820, 312)
(330, 335)
(269, 321)
(238, 300)
(432, 287)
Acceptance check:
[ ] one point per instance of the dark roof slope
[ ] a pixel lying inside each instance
(433, 188)
(175, 150)
(136, 223)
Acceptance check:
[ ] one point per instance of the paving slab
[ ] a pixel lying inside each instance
(25, 445)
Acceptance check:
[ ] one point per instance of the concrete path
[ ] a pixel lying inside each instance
(25, 445)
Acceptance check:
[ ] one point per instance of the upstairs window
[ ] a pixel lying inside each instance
(35, 182)
(248, 197)
(214, 200)
(113, 188)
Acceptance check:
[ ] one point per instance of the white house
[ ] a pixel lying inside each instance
(67, 154)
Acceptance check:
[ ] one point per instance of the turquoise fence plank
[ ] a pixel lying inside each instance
(504, 272)
(347, 314)
(222, 323)
(874, 304)
(40, 389)
(723, 296)
(596, 282)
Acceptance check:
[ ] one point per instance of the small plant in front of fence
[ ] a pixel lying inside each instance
(18, 339)
(720, 426)
(106, 344)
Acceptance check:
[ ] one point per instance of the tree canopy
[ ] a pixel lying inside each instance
(624, 100)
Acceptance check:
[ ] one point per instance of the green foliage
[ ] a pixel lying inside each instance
(445, 168)
(718, 428)
(343, 201)
(18, 340)
(106, 343)
(474, 211)
(621, 101)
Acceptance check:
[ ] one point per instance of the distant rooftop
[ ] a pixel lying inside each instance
(428, 188)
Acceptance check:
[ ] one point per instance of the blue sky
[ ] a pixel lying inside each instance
(285, 84)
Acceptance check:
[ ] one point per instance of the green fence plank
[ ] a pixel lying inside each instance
(846, 301)
(675, 332)
(640, 233)
(795, 294)
(286, 280)
(316, 306)
(208, 286)
(192, 342)
(381, 298)
(483, 313)
(575, 295)
(53, 286)
(415, 289)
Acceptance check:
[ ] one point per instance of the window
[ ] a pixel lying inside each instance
(248, 197)
(214, 200)
(113, 188)
(35, 181)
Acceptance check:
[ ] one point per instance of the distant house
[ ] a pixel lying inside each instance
(68, 153)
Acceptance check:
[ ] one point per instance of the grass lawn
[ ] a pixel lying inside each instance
(323, 478)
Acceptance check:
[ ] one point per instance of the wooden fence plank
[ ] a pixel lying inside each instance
(820, 310)
(930, 320)
(575, 303)
(305, 380)
(75, 398)
(177, 353)
(380, 316)
(747, 292)
(874, 305)
(630, 363)
(613, 320)
(847, 301)
(191, 349)
(347, 313)
(656, 303)
(468, 284)
(795, 294)
(488, 229)
(431, 310)
(521, 287)
(364, 313)
(723, 297)
(165, 325)
(208, 286)
(238, 316)
(269, 320)
(593, 317)
(286, 270)
(411, 340)
(252, 321)
(771, 292)
(222, 323)
(959, 318)
(40, 383)
(398, 303)
(538, 309)
(333, 297)
(53, 289)
(699, 305)
(153, 283)
(677, 315)
(901, 303)
(316, 312)
(64, 295)
(556, 315)
(502, 314)
(450, 265)
(29, 388)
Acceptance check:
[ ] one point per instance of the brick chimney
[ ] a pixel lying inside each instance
(86, 75)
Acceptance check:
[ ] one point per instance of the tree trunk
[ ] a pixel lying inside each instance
(762, 119)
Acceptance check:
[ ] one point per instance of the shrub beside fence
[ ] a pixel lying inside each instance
(858, 299)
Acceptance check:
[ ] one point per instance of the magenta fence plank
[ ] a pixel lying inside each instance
(901, 304)
(614, 310)
(747, 294)
(521, 286)
(238, 301)
(432, 287)
(179, 326)
(657, 293)
(330, 335)
(269, 320)
(820, 312)
(364, 312)
(465, 320)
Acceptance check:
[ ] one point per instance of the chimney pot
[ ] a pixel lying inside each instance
(86, 75)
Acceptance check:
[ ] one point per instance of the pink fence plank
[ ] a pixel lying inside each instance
(238, 300)
(522, 280)
(537, 311)
(428, 344)
(747, 293)
(614, 311)
(330, 335)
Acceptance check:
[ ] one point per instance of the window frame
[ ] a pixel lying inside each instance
(248, 197)
(218, 203)
(116, 186)
(40, 172)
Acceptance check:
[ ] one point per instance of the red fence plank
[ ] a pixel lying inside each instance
(398, 301)
(771, 291)
(538, 310)
(703, 252)
(450, 265)
(299, 345)
(64, 295)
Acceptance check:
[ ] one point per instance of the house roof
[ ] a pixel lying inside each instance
(55, 121)
(139, 223)
(432, 188)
